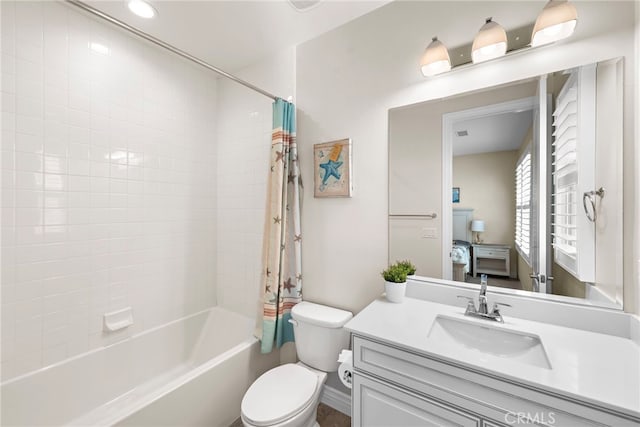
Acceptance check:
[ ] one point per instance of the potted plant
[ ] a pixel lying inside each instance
(395, 282)
(408, 266)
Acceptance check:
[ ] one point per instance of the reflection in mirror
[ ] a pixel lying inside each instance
(515, 172)
(488, 144)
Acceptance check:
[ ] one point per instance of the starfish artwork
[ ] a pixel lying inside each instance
(331, 166)
(333, 169)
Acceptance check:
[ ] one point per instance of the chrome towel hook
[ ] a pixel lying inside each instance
(590, 196)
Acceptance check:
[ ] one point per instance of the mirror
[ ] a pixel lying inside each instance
(521, 182)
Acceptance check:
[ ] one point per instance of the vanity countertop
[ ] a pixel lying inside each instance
(591, 367)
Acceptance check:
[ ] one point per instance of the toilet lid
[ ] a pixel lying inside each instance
(279, 394)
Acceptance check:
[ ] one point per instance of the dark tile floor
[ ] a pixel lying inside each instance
(327, 417)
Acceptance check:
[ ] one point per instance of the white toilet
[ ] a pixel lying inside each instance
(288, 395)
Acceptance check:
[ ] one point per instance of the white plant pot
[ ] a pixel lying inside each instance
(395, 291)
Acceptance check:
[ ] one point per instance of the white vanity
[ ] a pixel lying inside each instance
(423, 362)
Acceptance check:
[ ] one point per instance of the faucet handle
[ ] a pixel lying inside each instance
(499, 304)
(471, 305)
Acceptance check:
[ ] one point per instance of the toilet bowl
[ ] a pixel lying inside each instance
(285, 396)
(288, 395)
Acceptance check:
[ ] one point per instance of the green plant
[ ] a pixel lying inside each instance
(408, 266)
(395, 274)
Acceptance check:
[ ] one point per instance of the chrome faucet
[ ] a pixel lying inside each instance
(482, 298)
(482, 311)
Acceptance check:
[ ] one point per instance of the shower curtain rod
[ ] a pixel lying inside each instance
(166, 46)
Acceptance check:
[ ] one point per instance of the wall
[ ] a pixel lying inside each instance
(349, 78)
(487, 185)
(108, 178)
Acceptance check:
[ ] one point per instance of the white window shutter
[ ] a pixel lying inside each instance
(524, 189)
(574, 173)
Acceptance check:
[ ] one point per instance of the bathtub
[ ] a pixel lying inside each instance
(190, 372)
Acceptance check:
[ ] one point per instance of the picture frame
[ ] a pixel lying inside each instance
(456, 195)
(332, 169)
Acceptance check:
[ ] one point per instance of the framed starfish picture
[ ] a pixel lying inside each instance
(332, 169)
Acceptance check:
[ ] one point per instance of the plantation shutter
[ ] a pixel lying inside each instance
(523, 205)
(572, 169)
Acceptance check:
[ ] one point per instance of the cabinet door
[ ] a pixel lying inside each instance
(377, 404)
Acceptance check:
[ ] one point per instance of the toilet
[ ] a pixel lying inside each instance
(288, 395)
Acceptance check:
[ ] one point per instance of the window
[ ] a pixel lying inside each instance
(523, 205)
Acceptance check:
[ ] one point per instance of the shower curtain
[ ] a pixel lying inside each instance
(281, 259)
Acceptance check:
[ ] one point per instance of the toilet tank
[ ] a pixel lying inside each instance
(319, 334)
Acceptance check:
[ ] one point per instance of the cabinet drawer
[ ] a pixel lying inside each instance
(491, 253)
(381, 405)
(477, 392)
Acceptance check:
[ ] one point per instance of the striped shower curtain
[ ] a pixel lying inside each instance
(282, 278)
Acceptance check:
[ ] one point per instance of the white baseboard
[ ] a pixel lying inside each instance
(336, 399)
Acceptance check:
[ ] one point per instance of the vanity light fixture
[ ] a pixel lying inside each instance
(557, 21)
(142, 8)
(490, 42)
(435, 59)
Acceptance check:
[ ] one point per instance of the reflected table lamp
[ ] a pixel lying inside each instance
(477, 226)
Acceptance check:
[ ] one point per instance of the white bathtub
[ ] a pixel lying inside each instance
(191, 372)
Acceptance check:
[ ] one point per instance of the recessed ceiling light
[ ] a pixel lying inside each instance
(141, 8)
(304, 5)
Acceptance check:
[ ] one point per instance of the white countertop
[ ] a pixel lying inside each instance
(587, 366)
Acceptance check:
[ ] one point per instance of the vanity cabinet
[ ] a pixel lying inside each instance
(385, 405)
(393, 386)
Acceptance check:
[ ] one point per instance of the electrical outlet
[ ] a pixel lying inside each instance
(429, 233)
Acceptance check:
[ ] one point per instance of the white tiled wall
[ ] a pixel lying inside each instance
(244, 143)
(108, 184)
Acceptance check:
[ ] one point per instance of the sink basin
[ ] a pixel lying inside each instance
(462, 335)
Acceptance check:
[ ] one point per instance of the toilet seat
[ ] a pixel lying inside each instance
(279, 394)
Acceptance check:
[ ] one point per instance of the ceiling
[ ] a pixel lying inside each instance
(499, 132)
(234, 34)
